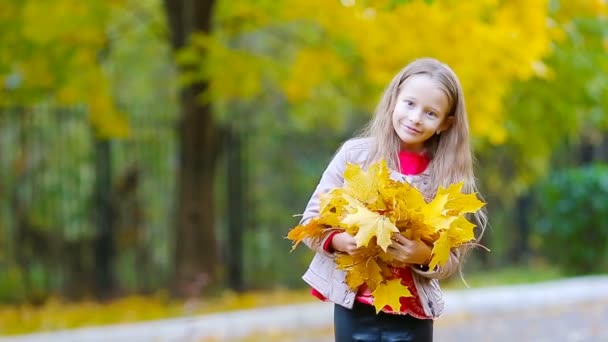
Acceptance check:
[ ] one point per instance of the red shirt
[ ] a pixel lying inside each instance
(412, 163)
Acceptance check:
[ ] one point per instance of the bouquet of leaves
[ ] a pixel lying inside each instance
(372, 207)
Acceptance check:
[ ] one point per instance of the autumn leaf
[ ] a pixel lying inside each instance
(441, 251)
(389, 294)
(370, 224)
(332, 203)
(360, 184)
(354, 267)
(360, 268)
(334, 207)
(462, 231)
(313, 229)
(434, 213)
(374, 274)
(372, 207)
(355, 278)
(459, 202)
(409, 198)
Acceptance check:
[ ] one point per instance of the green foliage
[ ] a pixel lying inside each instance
(570, 215)
(47, 171)
(11, 285)
(565, 102)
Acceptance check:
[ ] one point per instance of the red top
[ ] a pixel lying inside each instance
(412, 163)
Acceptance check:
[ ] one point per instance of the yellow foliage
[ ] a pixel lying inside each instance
(62, 40)
(311, 68)
(372, 207)
(207, 57)
(107, 121)
(103, 114)
(56, 314)
(567, 10)
(49, 23)
(488, 43)
(37, 73)
(389, 294)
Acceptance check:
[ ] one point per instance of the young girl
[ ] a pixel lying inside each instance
(420, 128)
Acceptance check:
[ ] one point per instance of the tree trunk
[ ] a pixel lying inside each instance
(196, 258)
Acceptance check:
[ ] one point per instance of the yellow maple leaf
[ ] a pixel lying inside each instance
(332, 203)
(434, 213)
(374, 274)
(459, 202)
(360, 184)
(360, 268)
(441, 250)
(389, 294)
(461, 231)
(354, 267)
(370, 224)
(411, 197)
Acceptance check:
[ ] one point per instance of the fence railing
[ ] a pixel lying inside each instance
(62, 190)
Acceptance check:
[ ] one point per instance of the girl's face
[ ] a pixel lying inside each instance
(421, 110)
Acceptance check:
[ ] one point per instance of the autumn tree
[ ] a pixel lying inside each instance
(556, 119)
(314, 64)
(324, 61)
(56, 57)
(199, 140)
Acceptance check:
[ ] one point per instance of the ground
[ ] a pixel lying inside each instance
(588, 322)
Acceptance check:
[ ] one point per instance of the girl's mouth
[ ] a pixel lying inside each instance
(411, 129)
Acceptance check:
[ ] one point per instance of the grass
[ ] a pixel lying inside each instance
(504, 276)
(56, 314)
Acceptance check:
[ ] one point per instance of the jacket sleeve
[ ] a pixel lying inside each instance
(442, 272)
(333, 177)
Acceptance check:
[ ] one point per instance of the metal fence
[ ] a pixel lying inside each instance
(57, 179)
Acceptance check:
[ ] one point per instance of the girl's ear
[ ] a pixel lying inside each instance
(447, 123)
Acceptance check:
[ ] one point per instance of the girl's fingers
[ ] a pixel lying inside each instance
(399, 238)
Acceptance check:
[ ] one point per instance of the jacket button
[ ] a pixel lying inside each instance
(347, 301)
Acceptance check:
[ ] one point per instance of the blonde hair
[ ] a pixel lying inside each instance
(450, 151)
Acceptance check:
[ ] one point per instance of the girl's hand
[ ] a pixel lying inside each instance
(409, 251)
(344, 242)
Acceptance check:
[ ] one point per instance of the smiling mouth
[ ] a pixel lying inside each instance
(411, 129)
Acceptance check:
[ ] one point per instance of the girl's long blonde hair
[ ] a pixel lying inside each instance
(450, 151)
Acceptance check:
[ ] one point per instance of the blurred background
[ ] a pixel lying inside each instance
(153, 153)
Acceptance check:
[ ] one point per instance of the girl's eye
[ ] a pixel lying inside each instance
(433, 114)
(409, 103)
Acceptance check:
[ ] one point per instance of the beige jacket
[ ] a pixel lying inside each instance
(322, 273)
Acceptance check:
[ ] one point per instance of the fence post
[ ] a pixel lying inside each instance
(104, 242)
(235, 209)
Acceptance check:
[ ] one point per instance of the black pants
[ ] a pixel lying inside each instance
(362, 324)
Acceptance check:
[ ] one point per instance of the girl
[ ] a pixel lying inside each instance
(420, 128)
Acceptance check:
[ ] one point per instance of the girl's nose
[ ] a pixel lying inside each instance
(415, 116)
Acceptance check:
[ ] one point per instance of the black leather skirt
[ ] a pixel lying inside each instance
(362, 324)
